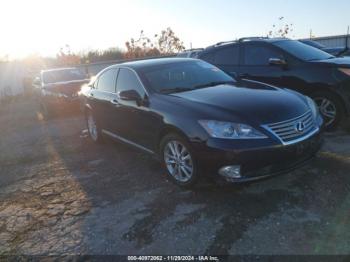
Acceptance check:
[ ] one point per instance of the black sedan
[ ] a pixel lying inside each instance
(57, 89)
(195, 117)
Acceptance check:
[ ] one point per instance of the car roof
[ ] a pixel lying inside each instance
(151, 62)
(245, 40)
(58, 69)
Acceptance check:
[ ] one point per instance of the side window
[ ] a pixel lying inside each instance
(208, 57)
(127, 80)
(106, 81)
(227, 55)
(259, 55)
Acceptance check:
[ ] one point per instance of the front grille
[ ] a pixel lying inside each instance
(293, 129)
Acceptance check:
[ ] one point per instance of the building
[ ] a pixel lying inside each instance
(12, 79)
(333, 41)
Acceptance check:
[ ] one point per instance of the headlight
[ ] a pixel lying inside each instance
(313, 107)
(50, 93)
(315, 112)
(229, 130)
(345, 71)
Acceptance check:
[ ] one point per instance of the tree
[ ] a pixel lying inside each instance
(169, 43)
(164, 43)
(282, 29)
(140, 47)
(92, 56)
(66, 58)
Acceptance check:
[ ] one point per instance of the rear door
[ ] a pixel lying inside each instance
(102, 96)
(226, 58)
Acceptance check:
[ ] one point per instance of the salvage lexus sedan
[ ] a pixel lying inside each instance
(195, 117)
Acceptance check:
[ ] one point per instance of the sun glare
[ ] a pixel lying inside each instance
(43, 27)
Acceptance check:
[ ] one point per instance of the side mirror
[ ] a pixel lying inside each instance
(130, 95)
(277, 62)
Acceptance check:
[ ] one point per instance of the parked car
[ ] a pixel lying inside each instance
(57, 89)
(289, 64)
(191, 53)
(336, 51)
(193, 117)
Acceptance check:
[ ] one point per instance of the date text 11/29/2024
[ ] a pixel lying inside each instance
(173, 258)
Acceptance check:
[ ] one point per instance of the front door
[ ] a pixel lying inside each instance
(255, 64)
(133, 120)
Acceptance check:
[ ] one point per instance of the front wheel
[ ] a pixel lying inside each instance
(330, 107)
(178, 160)
(93, 128)
(46, 111)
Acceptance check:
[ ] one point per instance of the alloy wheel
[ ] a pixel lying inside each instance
(327, 109)
(178, 161)
(92, 127)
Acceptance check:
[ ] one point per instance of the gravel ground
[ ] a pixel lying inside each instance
(62, 194)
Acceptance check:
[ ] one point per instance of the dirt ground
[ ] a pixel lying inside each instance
(62, 194)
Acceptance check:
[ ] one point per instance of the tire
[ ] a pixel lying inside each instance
(45, 111)
(93, 127)
(178, 160)
(329, 105)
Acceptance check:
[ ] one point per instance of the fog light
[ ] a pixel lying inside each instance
(230, 171)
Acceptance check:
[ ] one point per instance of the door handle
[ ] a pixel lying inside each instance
(91, 94)
(115, 102)
(243, 75)
(232, 73)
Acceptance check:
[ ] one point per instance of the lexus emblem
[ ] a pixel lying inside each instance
(299, 127)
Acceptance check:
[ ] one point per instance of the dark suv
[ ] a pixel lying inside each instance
(289, 64)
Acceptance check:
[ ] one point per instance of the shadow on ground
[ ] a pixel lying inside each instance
(62, 194)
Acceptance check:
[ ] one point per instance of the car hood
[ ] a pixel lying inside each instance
(334, 62)
(67, 88)
(261, 105)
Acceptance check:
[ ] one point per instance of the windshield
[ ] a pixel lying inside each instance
(313, 43)
(303, 51)
(177, 77)
(63, 75)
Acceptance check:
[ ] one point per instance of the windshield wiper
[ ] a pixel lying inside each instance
(175, 90)
(215, 84)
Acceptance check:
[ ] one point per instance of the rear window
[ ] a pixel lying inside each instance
(222, 56)
(227, 56)
(209, 57)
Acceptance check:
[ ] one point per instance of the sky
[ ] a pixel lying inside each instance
(43, 26)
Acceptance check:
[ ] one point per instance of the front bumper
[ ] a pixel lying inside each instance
(260, 162)
(60, 104)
